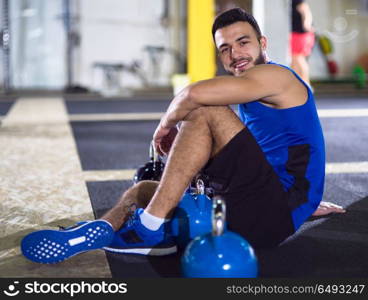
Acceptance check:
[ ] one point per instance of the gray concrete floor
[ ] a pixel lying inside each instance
(333, 246)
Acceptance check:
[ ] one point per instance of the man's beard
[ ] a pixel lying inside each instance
(261, 59)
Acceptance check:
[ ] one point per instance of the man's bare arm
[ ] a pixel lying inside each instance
(259, 82)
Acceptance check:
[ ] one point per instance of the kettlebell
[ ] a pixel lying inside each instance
(220, 254)
(192, 216)
(152, 170)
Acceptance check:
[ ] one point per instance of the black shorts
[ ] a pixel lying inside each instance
(256, 202)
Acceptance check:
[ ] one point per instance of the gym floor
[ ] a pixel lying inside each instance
(64, 160)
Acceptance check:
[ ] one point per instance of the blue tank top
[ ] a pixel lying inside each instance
(293, 143)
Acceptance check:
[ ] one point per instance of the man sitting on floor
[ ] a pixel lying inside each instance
(268, 164)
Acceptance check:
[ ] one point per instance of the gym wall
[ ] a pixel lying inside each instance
(346, 24)
(115, 31)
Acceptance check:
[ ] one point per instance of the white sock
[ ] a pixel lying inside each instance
(150, 221)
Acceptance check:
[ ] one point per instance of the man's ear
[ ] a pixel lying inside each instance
(263, 42)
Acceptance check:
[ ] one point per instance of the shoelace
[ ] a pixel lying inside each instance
(131, 220)
(132, 216)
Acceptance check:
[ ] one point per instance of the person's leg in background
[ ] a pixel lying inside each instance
(300, 65)
(301, 45)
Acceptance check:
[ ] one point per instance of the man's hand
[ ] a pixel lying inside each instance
(163, 139)
(326, 208)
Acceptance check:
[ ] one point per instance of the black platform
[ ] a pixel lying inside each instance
(334, 246)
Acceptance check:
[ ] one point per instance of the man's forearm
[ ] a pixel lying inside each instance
(179, 108)
(258, 83)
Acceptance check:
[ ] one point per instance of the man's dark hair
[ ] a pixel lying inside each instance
(232, 16)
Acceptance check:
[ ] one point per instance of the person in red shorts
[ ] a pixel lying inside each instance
(302, 38)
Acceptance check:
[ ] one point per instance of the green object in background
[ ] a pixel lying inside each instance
(325, 44)
(359, 76)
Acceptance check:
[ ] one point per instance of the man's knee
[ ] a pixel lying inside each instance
(146, 184)
(208, 112)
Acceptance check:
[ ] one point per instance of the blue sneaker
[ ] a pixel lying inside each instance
(135, 238)
(52, 246)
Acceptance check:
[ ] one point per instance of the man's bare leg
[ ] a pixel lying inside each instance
(139, 194)
(202, 134)
(295, 64)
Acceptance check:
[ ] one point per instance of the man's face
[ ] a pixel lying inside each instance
(239, 48)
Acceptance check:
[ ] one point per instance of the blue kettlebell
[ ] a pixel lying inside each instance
(180, 212)
(220, 254)
(192, 217)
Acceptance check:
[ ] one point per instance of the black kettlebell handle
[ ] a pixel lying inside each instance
(218, 216)
(154, 156)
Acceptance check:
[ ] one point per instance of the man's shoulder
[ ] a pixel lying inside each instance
(272, 71)
(272, 67)
(289, 91)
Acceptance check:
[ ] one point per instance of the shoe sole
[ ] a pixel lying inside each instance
(53, 246)
(144, 251)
